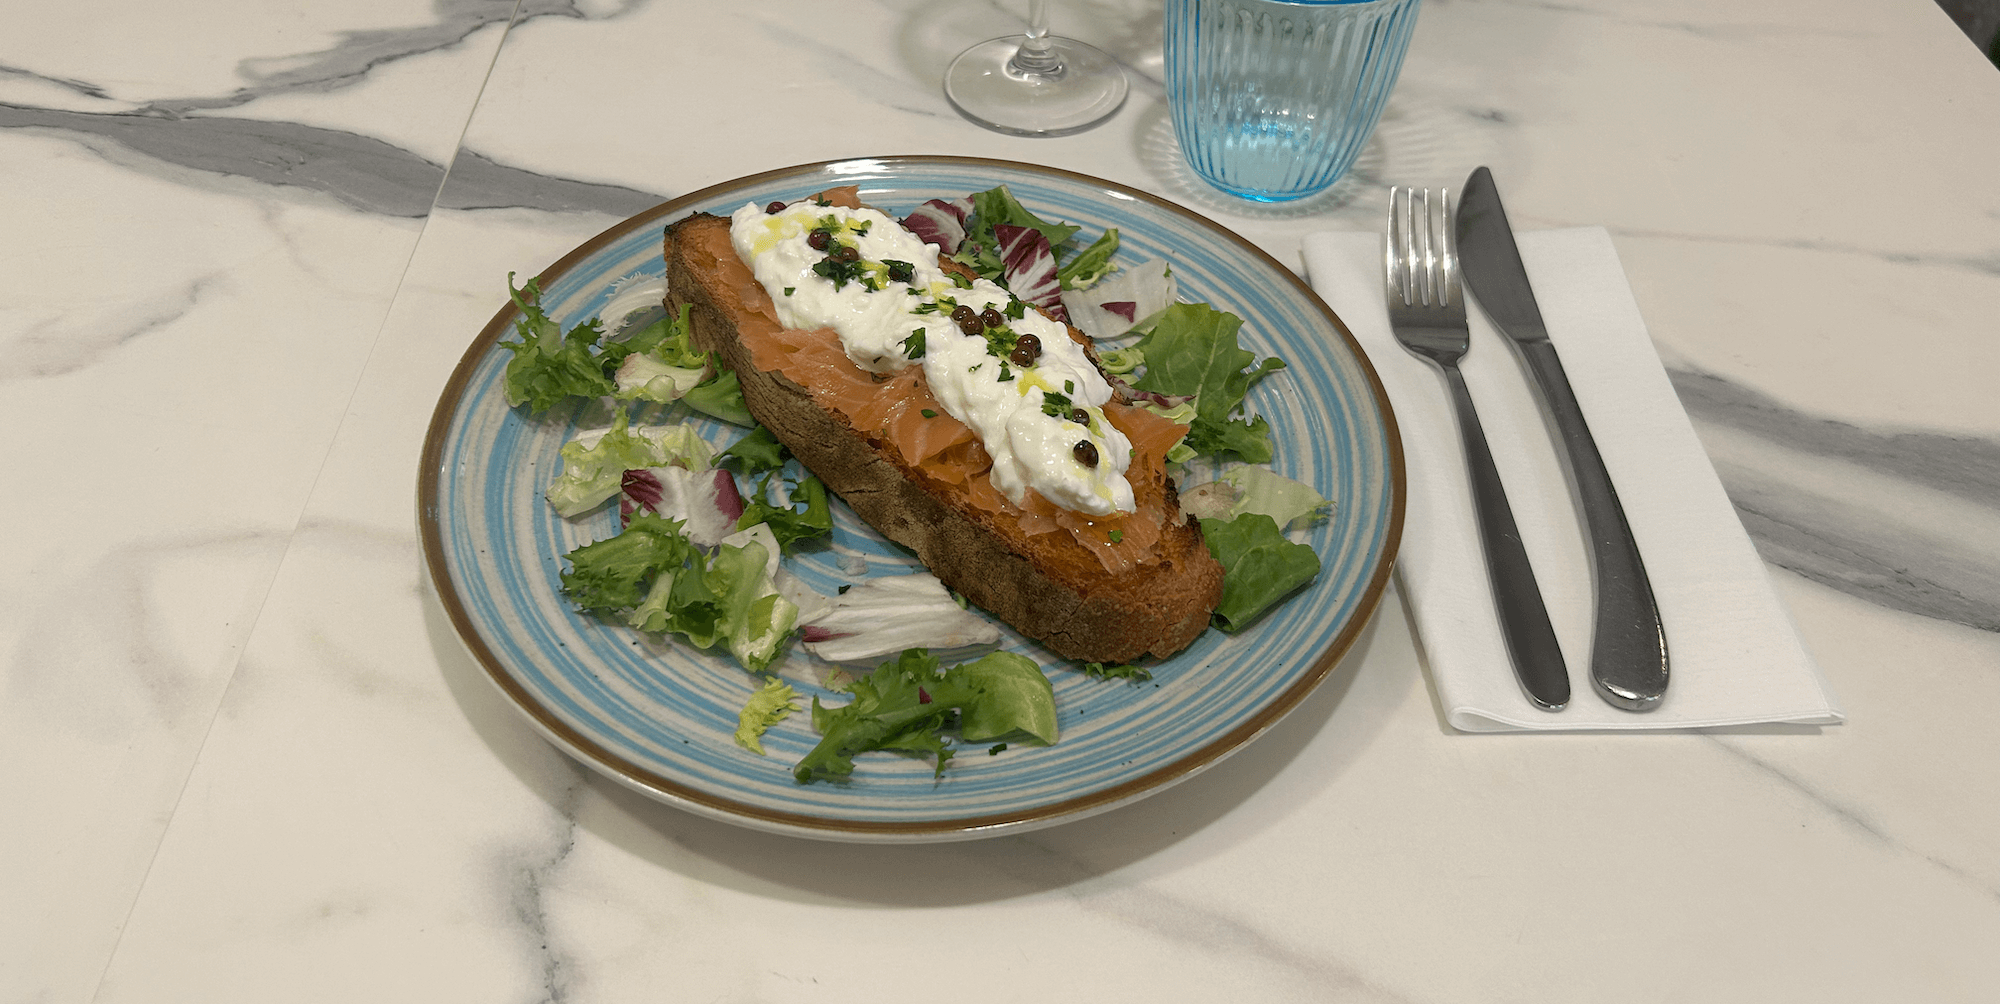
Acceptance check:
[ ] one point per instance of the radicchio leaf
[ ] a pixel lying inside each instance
(707, 501)
(1029, 266)
(940, 222)
(1122, 301)
(888, 614)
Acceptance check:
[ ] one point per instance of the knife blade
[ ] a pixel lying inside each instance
(1628, 656)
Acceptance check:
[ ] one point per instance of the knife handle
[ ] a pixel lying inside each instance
(1524, 619)
(1628, 657)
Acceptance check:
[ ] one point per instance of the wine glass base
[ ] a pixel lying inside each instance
(1086, 88)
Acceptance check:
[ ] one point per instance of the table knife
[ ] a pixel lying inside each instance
(1628, 656)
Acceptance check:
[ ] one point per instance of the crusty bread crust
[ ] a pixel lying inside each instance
(1047, 586)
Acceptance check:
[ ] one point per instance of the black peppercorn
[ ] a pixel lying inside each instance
(775, 208)
(818, 240)
(847, 253)
(967, 319)
(991, 318)
(1086, 453)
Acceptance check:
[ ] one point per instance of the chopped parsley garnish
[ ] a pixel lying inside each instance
(913, 346)
(1000, 341)
(1055, 405)
(928, 413)
(839, 272)
(1117, 536)
(900, 271)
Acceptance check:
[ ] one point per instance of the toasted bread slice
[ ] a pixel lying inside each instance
(1093, 590)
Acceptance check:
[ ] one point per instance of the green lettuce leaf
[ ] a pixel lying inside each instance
(618, 573)
(644, 378)
(1120, 360)
(728, 598)
(1289, 503)
(721, 396)
(999, 694)
(549, 365)
(757, 452)
(1259, 566)
(1192, 350)
(657, 580)
(768, 705)
(907, 704)
(998, 205)
(668, 341)
(1090, 264)
(656, 363)
(787, 521)
(1121, 671)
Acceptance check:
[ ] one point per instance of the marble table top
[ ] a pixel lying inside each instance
(243, 757)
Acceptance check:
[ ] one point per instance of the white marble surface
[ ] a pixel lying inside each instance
(243, 758)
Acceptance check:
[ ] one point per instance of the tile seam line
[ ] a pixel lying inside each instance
(291, 535)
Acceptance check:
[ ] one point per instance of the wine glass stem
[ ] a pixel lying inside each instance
(1037, 57)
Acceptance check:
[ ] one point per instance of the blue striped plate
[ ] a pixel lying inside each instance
(658, 717)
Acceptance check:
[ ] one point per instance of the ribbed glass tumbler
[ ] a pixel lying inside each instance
(1273, 99)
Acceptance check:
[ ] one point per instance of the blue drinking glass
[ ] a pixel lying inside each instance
(1273, 99)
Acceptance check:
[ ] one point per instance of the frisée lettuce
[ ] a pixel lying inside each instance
(909, 705)
(658, 581)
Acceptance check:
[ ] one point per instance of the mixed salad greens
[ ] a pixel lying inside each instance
(703, 533)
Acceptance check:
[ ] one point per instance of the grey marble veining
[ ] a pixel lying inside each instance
(60, 344)
(1859, 819)
(480, 182)
(362, 51)
(1852, 542)
(527, 874)
(362, 172)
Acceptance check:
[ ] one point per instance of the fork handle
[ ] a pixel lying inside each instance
(1628, 658)
(1524, 620)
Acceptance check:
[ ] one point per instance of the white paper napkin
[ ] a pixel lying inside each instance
(1735, 657)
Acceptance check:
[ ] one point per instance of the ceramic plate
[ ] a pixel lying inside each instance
(658, 717)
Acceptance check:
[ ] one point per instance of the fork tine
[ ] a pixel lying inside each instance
(1447, 243)
(1421, 250)
(1420, 259)
(1393, 251)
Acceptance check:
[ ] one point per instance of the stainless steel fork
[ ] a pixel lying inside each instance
(1427, 313)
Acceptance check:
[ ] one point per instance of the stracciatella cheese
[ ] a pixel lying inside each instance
(1042, 422)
